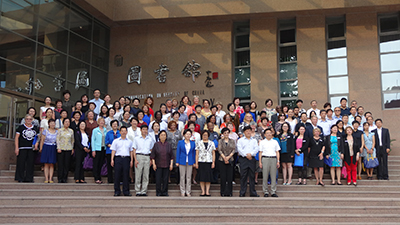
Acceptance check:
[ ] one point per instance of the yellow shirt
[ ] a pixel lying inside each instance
(65, 139)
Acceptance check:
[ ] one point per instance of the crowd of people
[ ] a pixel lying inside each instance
(202, 143)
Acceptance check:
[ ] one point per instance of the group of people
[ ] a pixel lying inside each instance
(199, 143)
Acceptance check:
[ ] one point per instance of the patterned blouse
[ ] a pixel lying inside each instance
(205, 153)
(65, 139)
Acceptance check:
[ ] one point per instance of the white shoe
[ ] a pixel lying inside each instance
(233, 182)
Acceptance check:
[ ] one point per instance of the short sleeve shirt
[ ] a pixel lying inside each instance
(27, 135)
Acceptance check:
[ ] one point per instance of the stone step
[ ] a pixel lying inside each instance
(355, 193)
(179, 217)
(363, 186)
(40, 179)
(233, 209)
(218, 201)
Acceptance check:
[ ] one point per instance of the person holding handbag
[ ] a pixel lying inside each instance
(350, 155)
(368, 143)
(302, 148)
(334, 148)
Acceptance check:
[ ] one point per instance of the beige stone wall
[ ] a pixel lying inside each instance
(311, 59)
(209, 44)
(263, 57)
(7, 155)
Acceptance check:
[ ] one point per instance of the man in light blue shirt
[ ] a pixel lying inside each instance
(99, 102)
(336, 116)
(142, 146)
(324, 123)
(352, 116)
(247, 149)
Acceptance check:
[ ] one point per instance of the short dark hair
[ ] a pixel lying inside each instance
(113, 121)
(96, 90)
(246, 128)
(343, 99)
(66, 92)
(187, 130)
(78, 102)
(379, 119)
(214, 106)
(299, 100)
(327, 104)
(66, 119)
(354, 122)
(136, 99)
(268, 129)
(50, 120)
(266, 101)
(152, 126)
(59, 100)
(63, 110)
(145, 126)
(191, 115)
(321, 111)
(229, 105)
(27, 111)
(197, 106)
(329, 110)
(123, 127)
(176, 112)
(225, 129)
(345, 115)
(205, 131)
(133, 118)
(190, 123)
(182, 105)
(76, 112)
(163, 131)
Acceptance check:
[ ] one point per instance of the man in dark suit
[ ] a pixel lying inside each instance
(309, 129)
(382, 145)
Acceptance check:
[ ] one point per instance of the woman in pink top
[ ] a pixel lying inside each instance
(238, 109)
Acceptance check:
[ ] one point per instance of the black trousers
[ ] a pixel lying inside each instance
(226, 177)
(25, 165)
(110, 175)
(216, 170)
(162, 175)
(98, 162)
(247, 170)
(80, 155)
(64, 160)
(121, 168)
(382, 170)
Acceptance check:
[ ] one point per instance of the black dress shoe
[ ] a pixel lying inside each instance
(274, 195)
(222, 195)
(254, 196)
(266, 195)
(115, 195)
(129, 195)
(143, 195)
(241, 195)
(137, 195)
(60, 181)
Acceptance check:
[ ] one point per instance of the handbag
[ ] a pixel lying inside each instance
(104, 171)
(328, 161)
(35, 140)
(371, 162)
(344, 172)
(299, 160)
(88, 162)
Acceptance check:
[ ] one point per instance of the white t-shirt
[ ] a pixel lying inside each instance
(269, 147)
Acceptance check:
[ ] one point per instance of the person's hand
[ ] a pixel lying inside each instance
(291, 156)
(72, 152)
(226, 161)
(278, 165)
(112, 163)
(357, 158)
(260, 165)
(37, 146)
(86, 149)
(361, 150)
(196, 165)
(177, 164)
(248, 156)
(213, 165)
(387, 150)
(341, 156)
(297, 152)
(321, 156)
(136, 163)
(131, 164)
(171, 167)
(94, 154)
(40, 150)
(154, 167)
(327, 157)
(59, 150)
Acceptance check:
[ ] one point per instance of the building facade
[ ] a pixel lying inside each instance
(217, 49)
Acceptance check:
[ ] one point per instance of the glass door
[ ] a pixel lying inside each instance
(5, 115)
(21, 106)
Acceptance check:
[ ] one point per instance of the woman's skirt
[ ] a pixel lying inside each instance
(49, 154)
(205, 172)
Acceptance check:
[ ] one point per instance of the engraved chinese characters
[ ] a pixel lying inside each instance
(58, 83)
(161, 76)
(191, 69)
(134, 74)
(82, 79)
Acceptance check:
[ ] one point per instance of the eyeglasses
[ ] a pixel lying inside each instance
(337, 110)
(28, 119)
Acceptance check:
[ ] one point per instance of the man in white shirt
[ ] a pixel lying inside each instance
(337, 115)
(247, 149)
(121, 160)
(382, 145)
(352, 116)
(142, 146)
(97, 101)
(324, 123)
(269, 150)
(313, 104)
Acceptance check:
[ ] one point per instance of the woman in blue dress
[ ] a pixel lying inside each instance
(334, 147)
(367, 149)
(48, 148)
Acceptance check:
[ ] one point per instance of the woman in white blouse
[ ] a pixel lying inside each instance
(205, 162)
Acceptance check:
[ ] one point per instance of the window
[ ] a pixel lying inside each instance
(242, 61)
(288, 83)
(389, 51)
(44, 39)
(338, 80)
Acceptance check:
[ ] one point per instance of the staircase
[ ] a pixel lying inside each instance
(371, 202)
